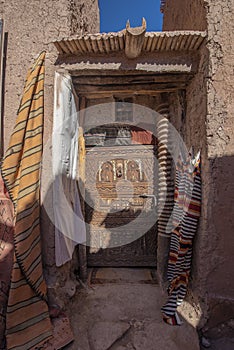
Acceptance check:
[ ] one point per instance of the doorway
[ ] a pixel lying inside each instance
(121, 198)
(101, 96)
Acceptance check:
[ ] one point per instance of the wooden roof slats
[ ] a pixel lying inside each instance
(100, 45)
(107, 45)
(80, 41)
(133, 41)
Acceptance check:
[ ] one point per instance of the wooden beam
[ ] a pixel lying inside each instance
(101, 95)
(133, 88)
(144, 84)
(125, 79)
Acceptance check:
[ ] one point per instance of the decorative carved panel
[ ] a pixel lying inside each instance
(121, 218)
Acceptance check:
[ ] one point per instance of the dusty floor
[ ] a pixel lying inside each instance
(221, 337)
(122, 311)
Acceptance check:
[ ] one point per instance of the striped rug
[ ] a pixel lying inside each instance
(6, 255)
(186, 213)
(27, 320)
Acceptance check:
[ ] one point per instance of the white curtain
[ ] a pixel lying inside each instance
(68, 218)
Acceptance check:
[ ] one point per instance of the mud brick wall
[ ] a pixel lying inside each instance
(208, 124)
(30, 27)
(220, 152)
(184, 15)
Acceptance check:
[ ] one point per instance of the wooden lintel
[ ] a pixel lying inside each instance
(125, 79)
(105, 94)
(132, 85)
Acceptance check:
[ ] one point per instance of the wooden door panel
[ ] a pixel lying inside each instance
(121, 224)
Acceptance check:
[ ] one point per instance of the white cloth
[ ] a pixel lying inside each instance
(68, 218)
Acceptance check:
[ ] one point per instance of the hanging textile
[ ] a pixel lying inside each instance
(186, 213)
(27, 320)
(68, 218)
(141, 136)
(6, 254)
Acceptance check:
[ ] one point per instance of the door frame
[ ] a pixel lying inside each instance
(166, 199)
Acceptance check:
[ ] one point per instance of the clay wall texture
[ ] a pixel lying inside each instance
(220, 143)
(30, 27)
(184, 15)
(209, 125)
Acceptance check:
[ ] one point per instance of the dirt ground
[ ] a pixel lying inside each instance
(121, 311)
(221, 337)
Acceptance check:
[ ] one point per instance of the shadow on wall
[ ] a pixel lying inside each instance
(61, 281)
(220, 281)
(212, 283)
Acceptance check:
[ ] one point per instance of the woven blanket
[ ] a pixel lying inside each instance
(187, 207)
(27, 320)
(6, 255)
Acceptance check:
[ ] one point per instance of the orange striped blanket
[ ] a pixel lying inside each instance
(27, 319)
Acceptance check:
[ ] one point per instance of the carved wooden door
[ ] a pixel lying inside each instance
(121, 206)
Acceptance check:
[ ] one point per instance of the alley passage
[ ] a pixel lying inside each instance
(121, 311)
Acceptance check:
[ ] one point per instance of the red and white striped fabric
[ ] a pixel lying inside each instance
(186, 212)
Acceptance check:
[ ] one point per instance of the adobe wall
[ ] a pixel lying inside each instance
(209, 125)
(220, 143)
(184, 15)
(30, 27)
